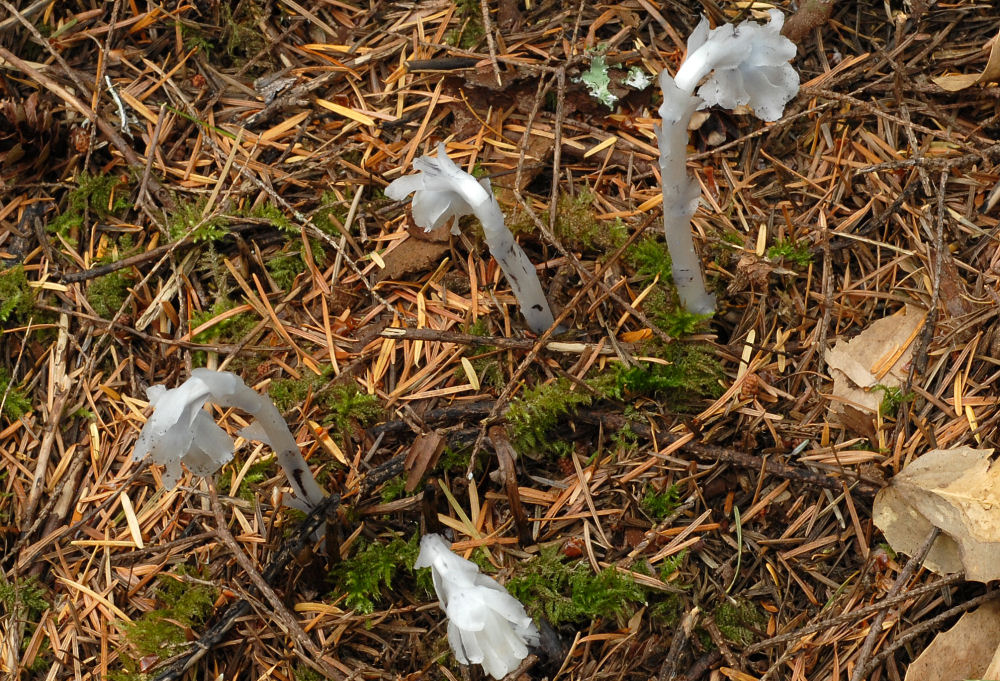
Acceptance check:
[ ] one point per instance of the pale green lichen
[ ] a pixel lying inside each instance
(597, 81)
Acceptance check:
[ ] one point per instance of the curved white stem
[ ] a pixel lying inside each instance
(680, 196)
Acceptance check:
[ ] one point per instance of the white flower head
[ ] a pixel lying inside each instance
(486, 625)
(748, 65)
(181, 431)
(441, 190)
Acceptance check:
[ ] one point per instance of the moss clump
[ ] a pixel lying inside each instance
(347, 408)
(331, 209)
(17, 298)
(26, 593)
(691, 372)
(258, 473)
(568, 592)
(227, 330)
(272, 214)
(372, 569)
(393, 489)
(16, 404)
(892, 399)
(649, 257)
(532, 416)
(471, 31)
(577, 227)
(486, 361)
(107, 294)
(160, 632)
(24, 599)
(187, 221)
(791, 251)
(284, 268)
(741, 622)
(661, 504)
(243, 38)
(94, 195)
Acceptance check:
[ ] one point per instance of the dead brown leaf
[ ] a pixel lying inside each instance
(956, 490)
(413, 256)
(966, 651)
(878, 356)
(991, 73)
(423, 456)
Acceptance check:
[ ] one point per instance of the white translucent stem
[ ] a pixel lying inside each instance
(680, 196)
(516, 266)
(290, 459)
(229, 390)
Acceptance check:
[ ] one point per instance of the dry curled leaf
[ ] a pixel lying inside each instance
(966, 651)
(956, 82)
(878, 356)
(422, 457)
(956, 490)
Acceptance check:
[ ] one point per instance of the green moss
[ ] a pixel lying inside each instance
(671, 564)
(95, 195)
(661, 504)
(258, 473)
(24, 592)
(228, 330)
(107, 294)
(185, 604)
(741, 622)
(284, 268)
(371, 569)
(532, 416)
(649, 257)
(577, 227)
(304, 673)
(393, 489)
(346, 407)
(17, 403)
(455, 459)
(17, 298)
(187, 221)
(331, 209)
(25, 600)
(471, 21)
(568, 592)
(272, 214)
(243, 38)
(692, 372)
(892, 400)
(791, 251)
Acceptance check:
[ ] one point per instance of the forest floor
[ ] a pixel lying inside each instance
(201, 184)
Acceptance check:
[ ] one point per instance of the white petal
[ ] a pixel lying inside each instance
(471, 644)
(467, 609)
(698, 36)
(402, 187)
(725, 88)
(431, 208)
(455, 639)
(211, 448)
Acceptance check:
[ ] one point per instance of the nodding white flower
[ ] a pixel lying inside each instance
(748, 64)
(181, 431)
(441, 191)
(486, 625)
